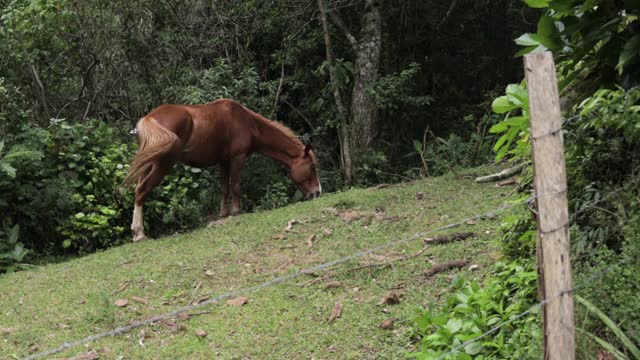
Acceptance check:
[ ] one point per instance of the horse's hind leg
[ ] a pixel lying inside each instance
(237, 163)
(144, 188)
(224, 189)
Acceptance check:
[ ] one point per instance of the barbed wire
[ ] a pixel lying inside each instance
(528, 311)
(543, 302)
(277, 280)
(281, 279)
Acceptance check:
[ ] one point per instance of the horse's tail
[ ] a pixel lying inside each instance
(155, 141)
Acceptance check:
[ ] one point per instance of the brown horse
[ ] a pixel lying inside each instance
(222, 132)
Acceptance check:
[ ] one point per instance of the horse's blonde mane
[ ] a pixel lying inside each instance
(278, 125)
(283, 128)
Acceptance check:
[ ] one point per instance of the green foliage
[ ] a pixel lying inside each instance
(627, 343)
(11, 250)
(473, 309)
(223, 81)
(67, 191)
(594, 37)
(440, 156)
(519, 234)
(515, 128)
(394, 91)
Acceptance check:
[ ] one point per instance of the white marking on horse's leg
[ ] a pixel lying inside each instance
(137, 225)
(319, 184)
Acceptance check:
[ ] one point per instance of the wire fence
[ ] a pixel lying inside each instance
(541, 303)
(281, 279)
(277, 280)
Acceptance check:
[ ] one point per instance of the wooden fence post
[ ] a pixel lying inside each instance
(550, 184)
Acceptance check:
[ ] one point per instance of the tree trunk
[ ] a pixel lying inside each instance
(41, 93)
(367, 64)
(344, 135)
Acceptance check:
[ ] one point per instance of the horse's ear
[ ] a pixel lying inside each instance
(307, 148)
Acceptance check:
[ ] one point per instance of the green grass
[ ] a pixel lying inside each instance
(67, 301)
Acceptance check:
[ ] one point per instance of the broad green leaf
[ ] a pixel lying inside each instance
(528, 49)
(517, 94)
(547, 27)
(537, 4)
(527, 40)
(502, 105)
(8, 169)
(473, 348)
(417, 145)
(498, 128)
(19, 252)
(545, 41)
(628, 53)
(454, 325)
(13, 234)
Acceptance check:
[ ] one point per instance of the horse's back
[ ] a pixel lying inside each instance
(211, 132)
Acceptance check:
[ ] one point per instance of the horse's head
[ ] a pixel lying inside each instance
(303, 173)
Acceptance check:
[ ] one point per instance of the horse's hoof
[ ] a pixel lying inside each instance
(139, 237)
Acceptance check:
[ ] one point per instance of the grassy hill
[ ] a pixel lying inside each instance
(47, 306)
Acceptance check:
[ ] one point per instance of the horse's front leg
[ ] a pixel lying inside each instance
(224, 189)
(237, 163)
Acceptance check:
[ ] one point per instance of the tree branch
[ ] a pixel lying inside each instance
(446, 17)
(338, 22)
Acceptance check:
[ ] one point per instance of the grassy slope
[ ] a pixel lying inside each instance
(67, 301)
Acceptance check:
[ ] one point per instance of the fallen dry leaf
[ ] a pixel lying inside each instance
(420, 196)
(290, 225)
(352, 215)
(7, 330)
(331, 211)
(279, 237)
(239, 301)
(327, 231)
(387, 324)
(122, 287)
(474, 267)
(390, 299)
(334, 285)
(310, 240)
(208, 273)
(140, 300)
(201, 333)
(216, 223)
(121, 302)
(336, 313)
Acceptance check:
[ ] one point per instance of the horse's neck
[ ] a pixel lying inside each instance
(274, 142)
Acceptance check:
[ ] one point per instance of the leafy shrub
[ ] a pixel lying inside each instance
(473, 309)
(515, 140)
(11, 250)
(393, 91)
(223, 81)
(70, 197)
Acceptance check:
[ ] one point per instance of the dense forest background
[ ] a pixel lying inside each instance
(84, 69)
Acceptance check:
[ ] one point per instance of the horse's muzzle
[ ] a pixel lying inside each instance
(313, 195)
